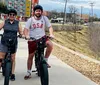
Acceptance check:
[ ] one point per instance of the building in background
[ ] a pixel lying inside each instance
(23, 7)
(18, 5)
(28, 6)
(3, 1)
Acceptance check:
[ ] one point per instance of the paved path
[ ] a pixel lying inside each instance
(59, 74)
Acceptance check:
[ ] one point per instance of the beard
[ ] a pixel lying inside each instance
(38, 15)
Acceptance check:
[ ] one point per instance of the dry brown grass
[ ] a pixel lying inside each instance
(78, 41)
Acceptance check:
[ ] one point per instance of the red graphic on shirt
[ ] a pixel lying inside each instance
(38, 25)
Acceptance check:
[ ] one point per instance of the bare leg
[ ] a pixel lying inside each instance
(2, 55)
(29, 66)
(49, 49)
(13, 62)
(30, 61)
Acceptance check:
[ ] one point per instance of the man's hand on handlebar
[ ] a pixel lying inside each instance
(51, 36)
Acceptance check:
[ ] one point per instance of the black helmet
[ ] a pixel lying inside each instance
(38, 7)
(12, 11)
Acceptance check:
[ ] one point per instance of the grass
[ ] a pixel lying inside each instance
(77, 41)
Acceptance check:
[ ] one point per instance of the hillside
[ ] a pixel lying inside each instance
(79, 42)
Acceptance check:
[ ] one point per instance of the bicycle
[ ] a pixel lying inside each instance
(7, 63)
(40, 63)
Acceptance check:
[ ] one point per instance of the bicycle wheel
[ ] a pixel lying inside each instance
(44, 76)
(7, 73)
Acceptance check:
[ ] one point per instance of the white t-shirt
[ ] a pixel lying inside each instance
(37, 27)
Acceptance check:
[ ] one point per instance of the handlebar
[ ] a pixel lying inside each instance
(19, 36)
(31, 38)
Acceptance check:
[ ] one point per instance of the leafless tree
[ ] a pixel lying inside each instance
(94, 37)
(73, 18)
(72, 10)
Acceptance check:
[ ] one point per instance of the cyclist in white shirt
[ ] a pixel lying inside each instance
(35, 27)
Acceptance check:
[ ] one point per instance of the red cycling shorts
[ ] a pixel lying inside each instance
(32, 46)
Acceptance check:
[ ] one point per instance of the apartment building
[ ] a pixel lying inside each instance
(18, 5)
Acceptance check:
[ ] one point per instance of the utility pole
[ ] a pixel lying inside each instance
(92, 4)
(81, 11)
(64, 18)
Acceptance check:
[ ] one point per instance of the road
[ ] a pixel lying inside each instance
(59, 73)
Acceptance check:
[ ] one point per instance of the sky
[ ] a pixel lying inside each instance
(58, 5)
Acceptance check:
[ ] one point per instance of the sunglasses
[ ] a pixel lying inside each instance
(12, 14)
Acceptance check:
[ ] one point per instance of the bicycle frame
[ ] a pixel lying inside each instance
(40, 63)
(6, 60)
(39, 54)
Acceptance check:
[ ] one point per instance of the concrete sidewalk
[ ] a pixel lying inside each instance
(59, 74)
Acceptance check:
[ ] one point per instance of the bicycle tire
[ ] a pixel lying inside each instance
(44, 76)
(7, 73)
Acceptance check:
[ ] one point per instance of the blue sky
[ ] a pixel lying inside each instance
(58, 5)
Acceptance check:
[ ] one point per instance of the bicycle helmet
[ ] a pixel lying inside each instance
(12, 11)
(38, 7)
